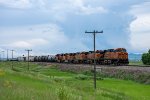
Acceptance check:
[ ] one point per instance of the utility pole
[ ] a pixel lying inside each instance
(0, 56)
(3, 55)
(94, 33)
(28, 56)
(7, 54)
(12, 51)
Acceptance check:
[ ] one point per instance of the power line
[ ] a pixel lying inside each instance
(94, 33)
(28, 56)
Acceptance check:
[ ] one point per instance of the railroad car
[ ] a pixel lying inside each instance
(80, 57)
(51, 58)
(72, 57)
(36, 58)
(98, 57)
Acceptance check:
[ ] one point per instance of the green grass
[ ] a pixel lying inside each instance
(139, 63)
(136, 63)
(49, 83)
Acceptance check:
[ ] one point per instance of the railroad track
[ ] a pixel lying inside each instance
(96, 64)
(140, 65)
(142, 68)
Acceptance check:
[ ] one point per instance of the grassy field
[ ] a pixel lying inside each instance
(49, 83)
(136, 63)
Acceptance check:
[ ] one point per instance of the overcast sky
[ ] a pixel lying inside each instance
(57, 26)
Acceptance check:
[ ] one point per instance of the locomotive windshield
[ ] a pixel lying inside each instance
(121, 50)
(124, 50)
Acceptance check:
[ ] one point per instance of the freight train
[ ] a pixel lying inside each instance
(117, 56)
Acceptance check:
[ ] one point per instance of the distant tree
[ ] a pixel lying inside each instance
(149, 51)
(146, 58)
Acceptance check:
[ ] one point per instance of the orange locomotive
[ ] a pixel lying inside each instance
(117, 56)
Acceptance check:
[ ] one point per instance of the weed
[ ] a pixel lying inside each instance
(7, 84)
(85, 77)
(82, 77)
(62, 94)
(58, 80)
(2, 73)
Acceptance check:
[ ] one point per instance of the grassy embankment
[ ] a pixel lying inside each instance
(49, 83)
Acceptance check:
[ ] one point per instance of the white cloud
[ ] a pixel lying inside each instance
(52, 37)
(46, 38)
(64, 8)
(1, 49)
(29, 43)
(140, 27)
(20, 44)
(90, 10)
(81, 7)
(58, 10)
(142, 8)
(75, 6)
(78, 7)
(38, 41)
(141, 24)
(22, 4)
(34, 35)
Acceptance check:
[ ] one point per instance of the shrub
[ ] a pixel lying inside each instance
(82, 77)
(146, 58)
(88, 73)
(2, 73)
(143, 78)
(125, 74)
(85, 77)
